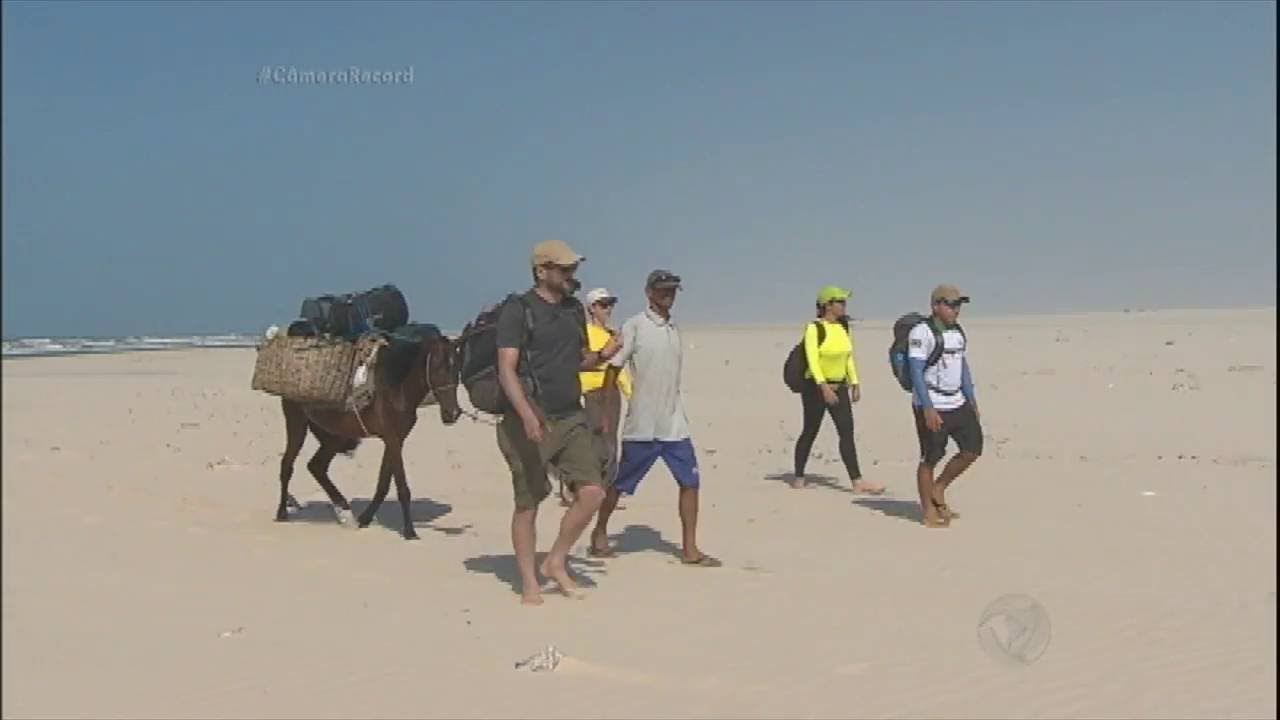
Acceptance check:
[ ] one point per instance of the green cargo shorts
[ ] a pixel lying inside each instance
(568, 443)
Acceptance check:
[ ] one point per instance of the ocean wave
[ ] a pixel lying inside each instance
(43, 346)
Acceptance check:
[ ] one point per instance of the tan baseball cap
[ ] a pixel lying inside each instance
(948, 293)
(554, 252)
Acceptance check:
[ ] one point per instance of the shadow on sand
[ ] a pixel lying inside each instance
(632, 539)
(812, 480)
(503, 567)
(902, 509)
(389, 516)
(641, 538)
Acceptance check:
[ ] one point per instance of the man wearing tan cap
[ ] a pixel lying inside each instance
(539, 357)
(943, 401)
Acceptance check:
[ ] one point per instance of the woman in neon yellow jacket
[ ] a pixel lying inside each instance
(831, 386)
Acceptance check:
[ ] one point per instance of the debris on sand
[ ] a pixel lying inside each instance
(545, 661)
(223, 462)
(1190, 381)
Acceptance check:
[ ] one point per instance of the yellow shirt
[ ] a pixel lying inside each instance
(833, 362)
(594, 379)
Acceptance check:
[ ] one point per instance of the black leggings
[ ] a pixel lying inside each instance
(841, 413)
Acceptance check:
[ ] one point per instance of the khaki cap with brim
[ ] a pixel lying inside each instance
(555, 252)
(948, 293)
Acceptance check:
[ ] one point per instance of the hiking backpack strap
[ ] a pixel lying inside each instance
(938, 348)
(528, 335)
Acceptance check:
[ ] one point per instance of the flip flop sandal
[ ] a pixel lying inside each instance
(704, 561)
(597, 553)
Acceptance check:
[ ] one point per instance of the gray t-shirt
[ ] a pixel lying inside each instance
(652, 352)
(554, 348)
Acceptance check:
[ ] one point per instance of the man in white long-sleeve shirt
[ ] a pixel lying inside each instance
(943, 402)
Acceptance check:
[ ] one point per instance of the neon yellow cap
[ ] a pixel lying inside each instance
(830, 293)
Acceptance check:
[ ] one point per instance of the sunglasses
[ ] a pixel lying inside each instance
(953, 304)
(606, 303)
(566, 269)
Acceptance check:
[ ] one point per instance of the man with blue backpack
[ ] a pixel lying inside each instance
(928, 359)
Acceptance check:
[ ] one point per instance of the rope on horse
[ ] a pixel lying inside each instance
(361, 421)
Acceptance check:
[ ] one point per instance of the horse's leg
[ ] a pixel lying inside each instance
(295, 429)
(395, 449)
(319, 467)
(379, 492)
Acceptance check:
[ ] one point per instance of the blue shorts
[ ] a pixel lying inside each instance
(638, 457)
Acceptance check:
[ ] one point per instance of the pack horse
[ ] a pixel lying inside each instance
(347, 374)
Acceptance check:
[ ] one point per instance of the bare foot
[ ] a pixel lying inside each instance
(862, 486)
(700, 559)
(940, 504)
(531, 597)
(798, 482)
(933, 520)
(560, 576)
(600, 546)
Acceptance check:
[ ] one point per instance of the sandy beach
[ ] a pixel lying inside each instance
(1128, 487)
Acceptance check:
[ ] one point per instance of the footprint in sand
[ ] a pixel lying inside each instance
(581, 667)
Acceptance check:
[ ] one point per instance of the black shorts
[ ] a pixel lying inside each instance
(960, 425)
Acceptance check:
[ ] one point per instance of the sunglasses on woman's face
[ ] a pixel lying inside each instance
(606, 304)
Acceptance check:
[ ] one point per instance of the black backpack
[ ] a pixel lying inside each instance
(795, 365)
(479, 359)
(898, 349)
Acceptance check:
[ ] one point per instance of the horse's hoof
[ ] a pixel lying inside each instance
(282, 517)
(344, 516)
(410, 535)
(362, 524)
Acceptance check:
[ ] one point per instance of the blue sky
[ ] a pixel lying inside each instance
(1045, 157)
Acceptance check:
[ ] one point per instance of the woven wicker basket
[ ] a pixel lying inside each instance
(310, 370)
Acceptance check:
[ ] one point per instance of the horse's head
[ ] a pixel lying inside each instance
(442, 377)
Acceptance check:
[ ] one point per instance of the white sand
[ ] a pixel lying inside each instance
(139, 492)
